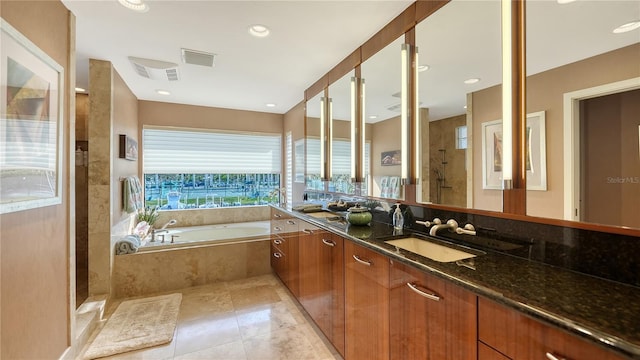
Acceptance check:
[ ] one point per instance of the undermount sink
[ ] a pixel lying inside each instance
(430, 249)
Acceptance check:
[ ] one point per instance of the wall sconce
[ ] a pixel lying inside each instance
(507, 89)
(323, 122)
(329, 152)
(405, 126)
(416, 128)
(354, 135)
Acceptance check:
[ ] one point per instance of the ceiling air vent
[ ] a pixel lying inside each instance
(155, 69)
(195, 57)
(394, 108)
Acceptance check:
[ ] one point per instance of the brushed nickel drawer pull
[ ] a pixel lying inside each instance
(307, 231)
(328, 242)
(363, 262)
(277, 255)
(433, 296)
(291, 222)
(551, 356)
(277, 241)
(277, 228)
(277, 215)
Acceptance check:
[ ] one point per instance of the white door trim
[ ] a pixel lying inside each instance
(571, 131)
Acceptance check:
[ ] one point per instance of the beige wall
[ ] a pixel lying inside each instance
(190, 116)
(385, 136)
(35, 244)
(545, 93)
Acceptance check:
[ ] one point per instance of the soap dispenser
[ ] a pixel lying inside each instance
(398, 218)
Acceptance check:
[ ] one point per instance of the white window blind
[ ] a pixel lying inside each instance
(313, 156)
(28, 144)
(341, 157)
(173, 151)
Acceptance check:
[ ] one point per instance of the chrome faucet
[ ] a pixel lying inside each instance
(155, 232)
(468, 229)
(435, 221)
(451, 224)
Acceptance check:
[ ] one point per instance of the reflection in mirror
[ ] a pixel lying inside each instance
(340, 95)
(457, 44)
(575, 60)
(382, 79)
(313, 178)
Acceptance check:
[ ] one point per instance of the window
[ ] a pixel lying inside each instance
(341, 163)
(202, 168)
(289, 193)
(461, 137)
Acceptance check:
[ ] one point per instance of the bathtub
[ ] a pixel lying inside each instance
(208, 235)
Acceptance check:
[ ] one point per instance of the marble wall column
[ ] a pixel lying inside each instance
(100, 167)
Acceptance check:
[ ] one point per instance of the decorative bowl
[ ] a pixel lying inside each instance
(358, 215)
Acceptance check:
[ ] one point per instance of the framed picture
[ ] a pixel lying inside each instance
(536, 158)
(128, 148)
(390, 158)
(31, 105)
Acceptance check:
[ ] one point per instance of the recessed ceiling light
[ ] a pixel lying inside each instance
(135, 5)
(565, 1)
(471, 81)
(163, 92)
(465, 106)
(258, 30)
(79, 89)
(373, 117)
(422, 68)
(630, 26)
(270, 105)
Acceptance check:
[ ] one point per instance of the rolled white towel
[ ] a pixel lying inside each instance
(128, 245)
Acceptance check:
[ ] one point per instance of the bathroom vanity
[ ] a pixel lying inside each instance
(375, 300)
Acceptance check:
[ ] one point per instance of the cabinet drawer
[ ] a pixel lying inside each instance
(520, 337)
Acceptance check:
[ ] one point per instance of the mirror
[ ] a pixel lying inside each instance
(313, 179)
(382, 82)
(458, 43)
(341, 107)
(573, 60)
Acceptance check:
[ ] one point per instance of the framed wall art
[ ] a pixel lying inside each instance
(31, 117)
(128, 148)
(536, 158)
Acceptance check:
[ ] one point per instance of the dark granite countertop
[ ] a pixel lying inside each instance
(602, 311)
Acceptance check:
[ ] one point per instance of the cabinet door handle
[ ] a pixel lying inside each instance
(277, 241)
(363, 262)
(277, 255)
(433, 296)
(291, 222)
(277, 228)
(307, 231)
(277, 215)
(328, 243)
(552, 356)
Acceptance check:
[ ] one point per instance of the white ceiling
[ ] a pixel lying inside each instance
(307, 39)
(460, 41)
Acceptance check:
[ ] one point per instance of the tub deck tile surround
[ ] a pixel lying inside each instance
(253, 318)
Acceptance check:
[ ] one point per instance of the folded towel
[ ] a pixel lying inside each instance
(128, 245)
(307, 207)
(132, 194)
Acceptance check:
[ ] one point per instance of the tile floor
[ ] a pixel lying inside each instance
(255, 318)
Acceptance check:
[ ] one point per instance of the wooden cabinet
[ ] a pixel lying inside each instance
(321, 265)
(366, 303)
(430, 318)
(284, 248)
(517, 336)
